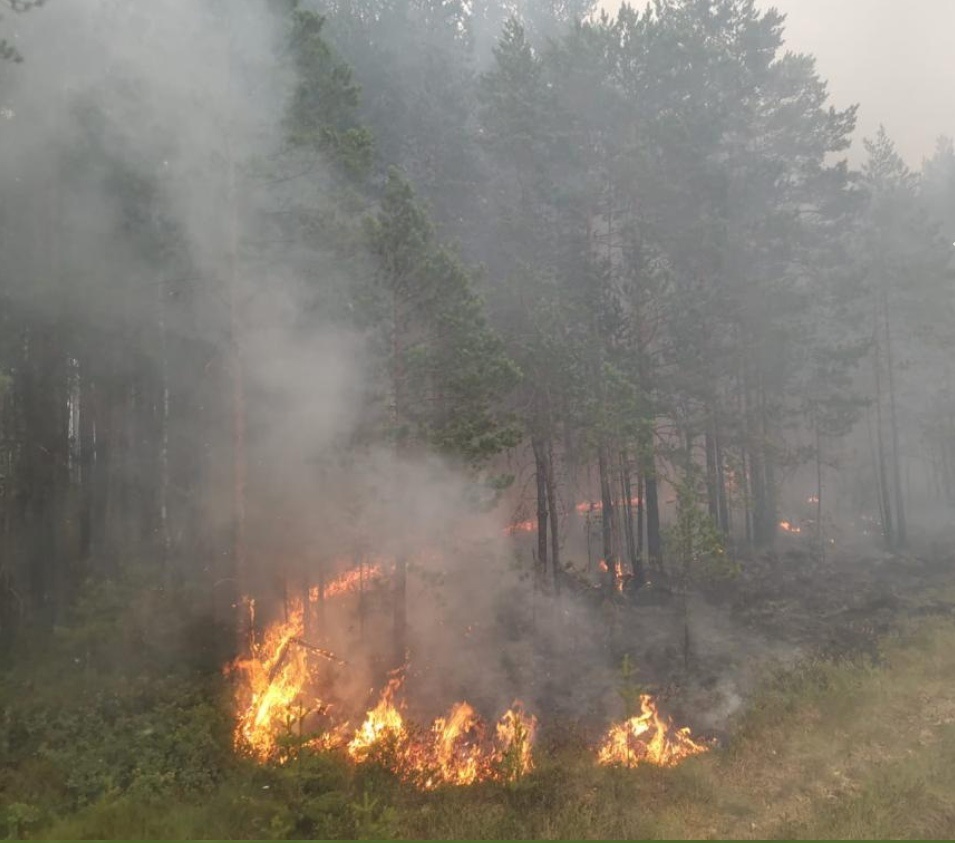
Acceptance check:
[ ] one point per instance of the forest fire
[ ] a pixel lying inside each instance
(597, 506)
(647, 738)
(789, 527)
(454, 751)
(280, 685)
(354, 579)
(521, 527)
(276, 690)
(619, 576)
(275, 677)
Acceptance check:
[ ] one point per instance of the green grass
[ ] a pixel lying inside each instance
(824, 751)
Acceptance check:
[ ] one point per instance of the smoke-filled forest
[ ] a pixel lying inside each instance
(467, 419)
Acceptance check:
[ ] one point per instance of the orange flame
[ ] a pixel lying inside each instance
(619, 577)
(521, 527)
(789, 527)
(597, 506)
(351, 581)
(275, 680)
(453, 752)
(276, 689)
(647, 738)
(382, 722)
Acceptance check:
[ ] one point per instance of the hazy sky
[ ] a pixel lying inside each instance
(896, 59)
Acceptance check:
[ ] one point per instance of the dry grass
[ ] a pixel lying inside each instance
(827, 751)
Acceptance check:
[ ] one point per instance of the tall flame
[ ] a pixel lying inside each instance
(279, 684)
(277, 688)
(454, 751)
(647, 738)
(276, 677)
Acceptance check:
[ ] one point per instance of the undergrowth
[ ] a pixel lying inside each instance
(118, 726)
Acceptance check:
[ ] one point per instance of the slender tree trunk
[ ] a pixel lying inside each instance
(608, 531)
(724, 513)
(239, 573)
(712, 495)
(885, 499)
(764, 481)
(307, 604)
(401, 562)
(641, 509)
(85, 468)
(636, 563)
(749, 462)
(900, 530)
(165, 538)
(820, 534)
(542, 509)
(554, 519)
(654, 540)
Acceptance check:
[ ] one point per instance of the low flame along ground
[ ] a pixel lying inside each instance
(281, 680)
(647, 737)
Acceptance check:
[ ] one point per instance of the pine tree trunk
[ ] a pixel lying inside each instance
(165, 540)
(542, 510)
(724, 522)
(764, 481)
(400, 591)
(900, 529)
(641, 509)
(633, 552)
(820, 535)
(554, 519)
(239, 459)
(607, 518)
(884, 493)
(654, 539)
(712, 495)
(85, 468)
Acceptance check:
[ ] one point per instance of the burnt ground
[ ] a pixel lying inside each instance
(780, 609)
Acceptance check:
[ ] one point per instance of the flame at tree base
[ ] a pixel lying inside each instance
(276, 692)
(647, 738)
(278, 688)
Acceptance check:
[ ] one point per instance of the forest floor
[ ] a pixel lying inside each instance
(843, 726)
